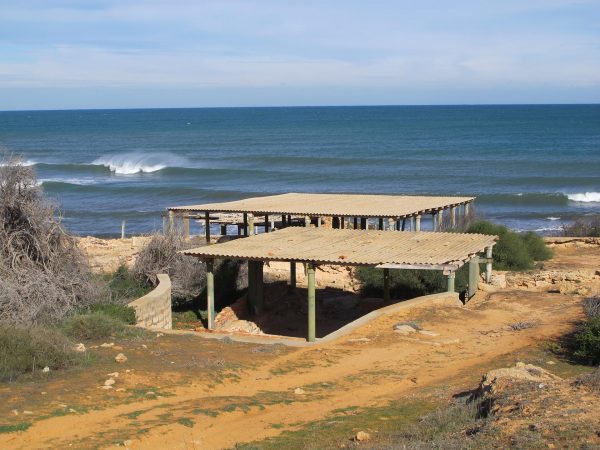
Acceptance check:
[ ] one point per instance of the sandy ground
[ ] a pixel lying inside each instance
(188, 392)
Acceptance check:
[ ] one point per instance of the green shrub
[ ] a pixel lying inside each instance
(403, 283)
(123, 313)
(93, 326)
(24, 350)
(587, 342)
(124, 286)
(513, 251)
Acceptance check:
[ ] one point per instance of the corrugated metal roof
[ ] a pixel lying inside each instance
(352, 247)
(332, 205)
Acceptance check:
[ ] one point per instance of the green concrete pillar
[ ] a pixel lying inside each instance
(171, 221)
(433, 222)
(266, 219)
(386, 285)
(488, 264)
(363, 223)
(251, 224)
(473, 275)
(255, 293)
(467, 210)
(418, 222)
(453, 217)
(292, 276)
(307, 221)
(381, 223)
(403, 224)
(223, 229)
(440, 221)
(260, 287)
(318, 221)
(207, 227)
(355, 223)
(312, 328)
(451, 277)
(210, 294)
(246, 224)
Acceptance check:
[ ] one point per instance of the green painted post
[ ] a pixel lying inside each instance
(292, 276)
(260, 289)
(418, 222)
(307, 221)
(453, 217)
(403, 224)
(363, 223)
(207, 226)
(473, 275)
(210, 293)
(433, 222)
(451, 277)
(246, 224)
(266, 218)
(171, 221)
(381, 223)
(251, 292)
(440, 221)
(386, 285)
(355, 223)
(310, 272)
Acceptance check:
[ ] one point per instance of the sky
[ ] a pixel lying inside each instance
(197, 53)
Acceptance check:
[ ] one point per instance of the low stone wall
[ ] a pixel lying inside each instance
(153, 310)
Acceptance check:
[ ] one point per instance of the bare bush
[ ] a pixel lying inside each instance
(43, 275)
(161, 255)
(588, 226)
(591, 305)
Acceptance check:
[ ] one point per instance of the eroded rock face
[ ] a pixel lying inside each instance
(495, 379)
(566, 282)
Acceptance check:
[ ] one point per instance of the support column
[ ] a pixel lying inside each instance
(251, 224)
(207, 226)
(381, 223)
(453, 217)
(318, 221)
(433, 222)
(473, 275)
(440, 221)
(266, 219)
(223, 229)
(171, 221)
(488, 264)
(306, 221)
(418, 222)
(260, 287)
(255, 293)
(210, 294)
(186, 226)
(122, 229)
(283, 221)
(467, 207)
(403, 224)
(355, 222)
(451, 277)
(312, 321)
(363, 223)
(292, 276)
(246, 224)
(386, 285)
(342, 222)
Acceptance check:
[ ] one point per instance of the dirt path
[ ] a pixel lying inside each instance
(257, 398)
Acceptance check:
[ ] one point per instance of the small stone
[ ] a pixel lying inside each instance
(362, 436)
(117, 347)
(80, 347)
(44, 393)
(404, 329)
(107, 345)
(107, 387)
(113, 375)
(150, 393)
(71, 410)
(120, 358)
(127, 443)
(550, 363)
(362, 339)
(159, 335)
(46, 369)
(429, 333)
(62, 405)
(120, 390)
(28, 412)
(15, 412)
(299, 391)
(144, 346)
(109, 382)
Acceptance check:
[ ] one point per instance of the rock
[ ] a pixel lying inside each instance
(150, 393)
(550, 363)
(107, 387)
(28, 412)
(120, 390)
(429, 333)
(80, 347)
(299, 391)
(362, 339)
(362, 436)
(117, 348)
(404, 329)
(120, 358)
(15, 412)
(46, 369)
(109, 382)
(107, 345)
(113, 375)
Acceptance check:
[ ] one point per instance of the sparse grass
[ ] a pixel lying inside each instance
(22, 426)
(522, 325)
(124, 287)
(186, 422)
(92, 326)
(29, 350)
(123, 313)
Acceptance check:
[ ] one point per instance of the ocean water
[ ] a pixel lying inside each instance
(531, 167)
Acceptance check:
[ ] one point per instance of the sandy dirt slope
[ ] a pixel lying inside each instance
(216, 394)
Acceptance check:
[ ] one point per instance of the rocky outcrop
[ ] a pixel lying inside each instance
(566, 282)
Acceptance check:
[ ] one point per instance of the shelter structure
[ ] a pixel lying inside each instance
(392, 212)
(311, 246)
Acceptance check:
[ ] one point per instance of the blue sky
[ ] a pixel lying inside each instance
(184, 53)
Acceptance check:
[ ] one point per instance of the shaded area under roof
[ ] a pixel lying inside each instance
(351, 205)
(418, 250)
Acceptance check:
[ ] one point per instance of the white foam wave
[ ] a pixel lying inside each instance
(26, 162)
(585, 197)
(76, 181)
(553, 218)
(131, 163)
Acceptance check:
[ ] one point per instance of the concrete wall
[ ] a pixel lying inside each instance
(153, 310)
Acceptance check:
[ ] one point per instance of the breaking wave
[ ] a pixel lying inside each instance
(585, 197)
(131, 163)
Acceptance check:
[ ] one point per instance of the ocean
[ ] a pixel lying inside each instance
(532, 167)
